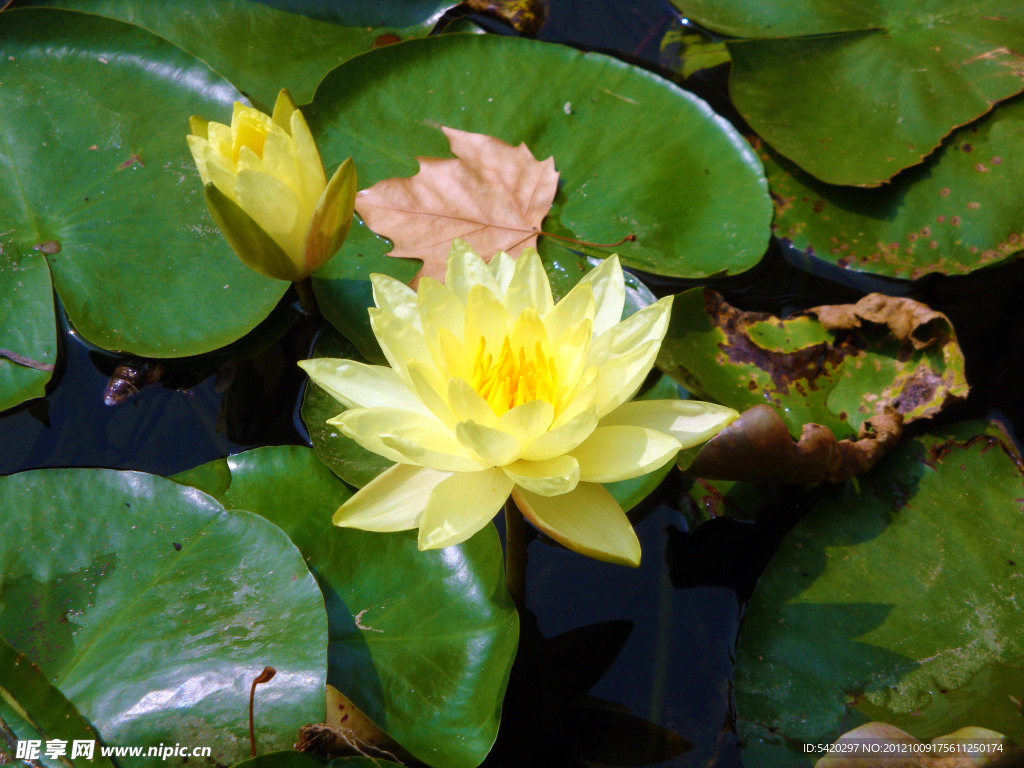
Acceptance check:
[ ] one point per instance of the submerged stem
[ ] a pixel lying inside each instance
(515, 555)
(307, 300)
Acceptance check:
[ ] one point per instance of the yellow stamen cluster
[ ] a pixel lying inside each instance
(512, 380)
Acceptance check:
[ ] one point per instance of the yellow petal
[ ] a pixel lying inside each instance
(452, 358)
(428, 449)
(529, 287)
(620, 378)
(386, 431)
(485, 316)
(273, 206)
(649, 324)
(198, 127)
(502, 266)
(527, 331)
(221, 176)
(618, 453)
(570, 351)
(400, 342)
(581, 398)
(545, 478)
(691, 422)
(396, 297)
(577, 305)
(564, 438)
(307, 159)
(249, 160)
(465, 269)
(392, 501)
(467, 404)
(200, 148)
(495, 447)
(461, 505)
(586, 520)
(283, 109)
(220, 138)
(331, 217)
(528, 421)
(428, 386)
(609, 289)
(279, 161)
(357, 385)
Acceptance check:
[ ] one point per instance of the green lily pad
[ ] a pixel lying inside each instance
(152, 609)
(854, 92)
(812, 369)
(35, 710)
(951, 214)
(421, 642)
(684, 183)
(98, 175)
(263, 46)
(28, 333)
(894, 603)
(346, 458)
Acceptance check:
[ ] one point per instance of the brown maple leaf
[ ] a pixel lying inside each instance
(492, 195)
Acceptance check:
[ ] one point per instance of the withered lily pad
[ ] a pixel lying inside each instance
(835, 366)
(949, 215)
(895, 600)
(855, 91)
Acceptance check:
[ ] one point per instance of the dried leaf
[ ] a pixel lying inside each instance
(492, 195)
(757, 448)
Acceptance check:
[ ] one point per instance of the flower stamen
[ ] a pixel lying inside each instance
(513, 379)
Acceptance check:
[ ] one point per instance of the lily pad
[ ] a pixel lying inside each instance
(951, 214)
(854, 92)
(895, 602)
(28, 334)
(421, 642)
(263, 46)
(98, 177)
(152, 609)
(33, 709)
(291, 758)
(685, 184)
(836, 366)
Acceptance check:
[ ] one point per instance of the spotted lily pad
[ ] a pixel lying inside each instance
(421, 642)
(685, 184)
(853, 92)
(835, 366)
(97, 178)
(950, 215)
(263, 46)
(152, 609)
(894, 602)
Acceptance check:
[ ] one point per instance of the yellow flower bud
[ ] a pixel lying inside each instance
(266, 189)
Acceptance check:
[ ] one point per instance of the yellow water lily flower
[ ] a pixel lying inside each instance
(493, 389)
(266, 189)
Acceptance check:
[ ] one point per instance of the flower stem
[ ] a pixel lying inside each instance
(626, 239)
(307, 300)
(515, 555)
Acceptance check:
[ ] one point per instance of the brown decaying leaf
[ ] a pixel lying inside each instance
(757, 448)
(492, 195)
(347, 732)
(525, 16)
(905, 318)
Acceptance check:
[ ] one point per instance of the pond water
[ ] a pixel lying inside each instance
(660, 640)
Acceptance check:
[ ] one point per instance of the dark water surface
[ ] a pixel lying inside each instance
(658, 641)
